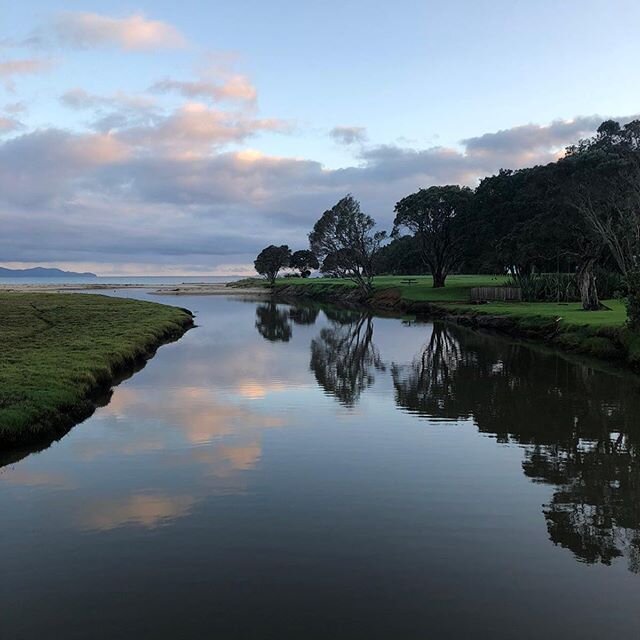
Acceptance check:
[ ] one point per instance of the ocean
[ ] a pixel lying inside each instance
(126, 280)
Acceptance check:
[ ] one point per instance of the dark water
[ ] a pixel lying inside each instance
(302, 473)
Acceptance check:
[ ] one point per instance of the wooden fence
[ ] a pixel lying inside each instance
(503, 294)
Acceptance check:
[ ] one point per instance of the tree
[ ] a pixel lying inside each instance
(271, 259)
(344, 238)
(273, 323)
(401, 256)
(344, 358)
(304, 261)
(523, 222)
(606, 191)
(435, 216)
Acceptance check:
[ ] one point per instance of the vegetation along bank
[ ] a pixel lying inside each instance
(61, 352)
(603, 334)
(563, 237)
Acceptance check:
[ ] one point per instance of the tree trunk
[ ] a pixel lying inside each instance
(633, 300)
(438, 280)
(586, 279)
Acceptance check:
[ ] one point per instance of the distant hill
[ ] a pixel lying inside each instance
(43, 272)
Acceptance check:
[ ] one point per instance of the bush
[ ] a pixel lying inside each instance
(547, 287)
(562, 287)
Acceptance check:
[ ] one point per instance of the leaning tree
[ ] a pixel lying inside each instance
(346, 241)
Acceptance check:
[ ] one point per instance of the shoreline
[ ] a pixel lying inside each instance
(611, 344)
(37, 426)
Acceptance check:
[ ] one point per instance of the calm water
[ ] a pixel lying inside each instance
(302, 473)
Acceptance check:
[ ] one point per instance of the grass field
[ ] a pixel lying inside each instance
(58, 349)
(456, 294)
(569, 313)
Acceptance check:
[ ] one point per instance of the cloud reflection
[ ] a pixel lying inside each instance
(143, 510)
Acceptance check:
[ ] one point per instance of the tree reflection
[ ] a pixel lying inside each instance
(595, 512)
(579, 428)
(273, 323)
(304, 315)
(426, 385)
(343, 356)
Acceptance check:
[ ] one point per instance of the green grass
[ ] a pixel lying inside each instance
(455, 295)
(59, 349)
(569, 314)
(457, 289)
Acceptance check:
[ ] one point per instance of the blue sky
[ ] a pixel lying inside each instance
(182, 137)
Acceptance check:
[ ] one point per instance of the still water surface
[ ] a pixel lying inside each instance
(297, 472)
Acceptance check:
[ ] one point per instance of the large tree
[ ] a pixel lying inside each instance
(435, 216)
(399, 257)
(346, 241)
(523, 223)
(605, 190)
(304, 262)
(271, 260)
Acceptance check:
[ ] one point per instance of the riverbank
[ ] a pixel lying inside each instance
(62, 352)
(599, 334)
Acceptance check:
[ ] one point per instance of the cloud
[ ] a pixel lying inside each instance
(9, 124)
(133, 33)
(177, 190)
(349, 135)
(236, 88)
(14, 108)
(194, 129)
(81, 99)
(112, 112)
(10, 69)
(533, 143)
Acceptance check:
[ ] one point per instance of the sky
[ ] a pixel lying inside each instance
(155, 138)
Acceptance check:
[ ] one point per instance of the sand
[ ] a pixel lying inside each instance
(202, 289)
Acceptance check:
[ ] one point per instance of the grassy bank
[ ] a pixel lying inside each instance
(595, 333)
(60, 350)
(455, 297)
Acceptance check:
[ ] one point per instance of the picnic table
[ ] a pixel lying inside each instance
(408, 281)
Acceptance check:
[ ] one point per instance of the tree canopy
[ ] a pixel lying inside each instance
(436, 217)
(271, 260)
(304, 262)
(345, 239)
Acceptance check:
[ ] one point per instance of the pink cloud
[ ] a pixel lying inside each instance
(194, 128)
(235, 87)
(133, 33)
(9, 69)
(9, 124)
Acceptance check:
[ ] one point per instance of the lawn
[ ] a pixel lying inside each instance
(569, 313)
(58, 349)
(456, 294)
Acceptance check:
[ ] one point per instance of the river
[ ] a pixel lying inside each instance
(306, 472)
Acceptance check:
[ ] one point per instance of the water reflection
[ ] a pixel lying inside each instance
(344, 358)
(579, 427)
(144, 510)
(273, 323)
(427, 386)
(294, 460)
